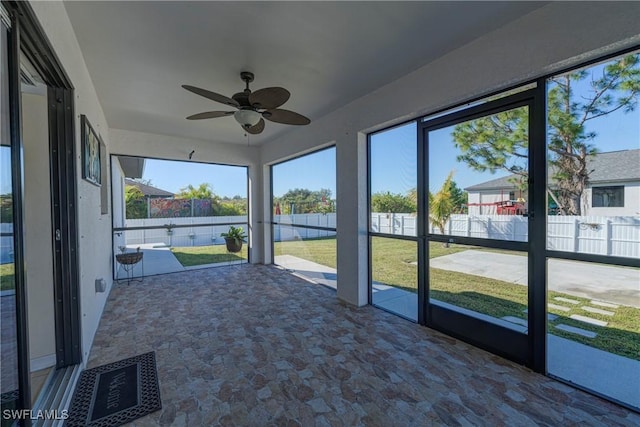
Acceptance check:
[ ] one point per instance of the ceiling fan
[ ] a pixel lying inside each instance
(252, 107)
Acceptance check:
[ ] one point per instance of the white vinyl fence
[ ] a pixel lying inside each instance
(285, 231)
(210, 235)
(183, 236)
(615, 236)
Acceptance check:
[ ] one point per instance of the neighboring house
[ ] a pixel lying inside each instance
(613, 189)
(149, 191)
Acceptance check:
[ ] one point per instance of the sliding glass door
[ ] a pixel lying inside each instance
(10, 381)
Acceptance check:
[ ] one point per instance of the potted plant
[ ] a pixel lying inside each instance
(234, 238)
(169, 228)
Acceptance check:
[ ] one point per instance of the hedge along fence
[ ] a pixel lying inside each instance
(170, 208)
(614, 236)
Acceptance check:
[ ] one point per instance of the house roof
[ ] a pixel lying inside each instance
(148, 190)
(613, 166)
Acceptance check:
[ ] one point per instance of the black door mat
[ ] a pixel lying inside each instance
(116, 393)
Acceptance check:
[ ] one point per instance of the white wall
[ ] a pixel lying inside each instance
(117, 193)
(141, 144)
(548, 39)
(631, 201)
(94, 228)
(38, 250)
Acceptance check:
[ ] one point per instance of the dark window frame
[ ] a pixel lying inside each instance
(538, 227)
(606, 190)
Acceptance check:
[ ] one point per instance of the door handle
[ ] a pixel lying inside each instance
(58, 235)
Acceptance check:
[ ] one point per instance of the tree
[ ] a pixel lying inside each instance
(500, 141)
(203, 191)
(229, 209)
(460, 198)
(442, 204)
(392, 203)
(303, 200)
(135, 203)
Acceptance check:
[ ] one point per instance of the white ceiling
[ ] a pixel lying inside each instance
(325, 53)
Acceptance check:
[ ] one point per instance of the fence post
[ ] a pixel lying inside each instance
(378, 223)
(192, 207)
(488, 227)
(402, 224)
(468, 225)
(514, 223)
(607, 237)
(576, 235)
(148, 207)
(392, 223)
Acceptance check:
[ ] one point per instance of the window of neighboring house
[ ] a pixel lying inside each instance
(608, 197)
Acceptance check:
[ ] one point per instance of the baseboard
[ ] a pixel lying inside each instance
(43, 362)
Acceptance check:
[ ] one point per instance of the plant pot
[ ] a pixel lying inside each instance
(233, 245)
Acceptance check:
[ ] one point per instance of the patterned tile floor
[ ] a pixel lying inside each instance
(253, 345)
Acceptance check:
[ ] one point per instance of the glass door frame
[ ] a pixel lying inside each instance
(528, 349)
(26, 37)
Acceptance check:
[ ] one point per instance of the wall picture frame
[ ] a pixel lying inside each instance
(91, 153)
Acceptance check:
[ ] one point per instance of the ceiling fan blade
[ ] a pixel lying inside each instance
(210, 115)
(269, 97)
(211, 95)
(257, 128)
(286, 117)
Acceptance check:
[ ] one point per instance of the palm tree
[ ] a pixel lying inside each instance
(441, 204)
(203, 191)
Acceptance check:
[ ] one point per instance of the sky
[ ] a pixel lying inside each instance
(171, 176)
(394, 152)
(313, 171)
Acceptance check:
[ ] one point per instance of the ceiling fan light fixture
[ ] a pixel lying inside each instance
(247, 118)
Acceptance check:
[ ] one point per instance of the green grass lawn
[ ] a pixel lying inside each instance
(7, 278)
(392, 265)
(198, 255)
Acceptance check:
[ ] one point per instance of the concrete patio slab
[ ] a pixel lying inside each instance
(310, 270)
(611, 284)
(156, 260)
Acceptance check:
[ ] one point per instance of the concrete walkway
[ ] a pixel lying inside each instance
(157, 259)
(607, 373)
(308, 270)
(395, 300)
(619, 285)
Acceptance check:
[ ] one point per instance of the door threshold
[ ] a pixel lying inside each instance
(56, 395)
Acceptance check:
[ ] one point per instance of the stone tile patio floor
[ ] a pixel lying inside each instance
(254, 345)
